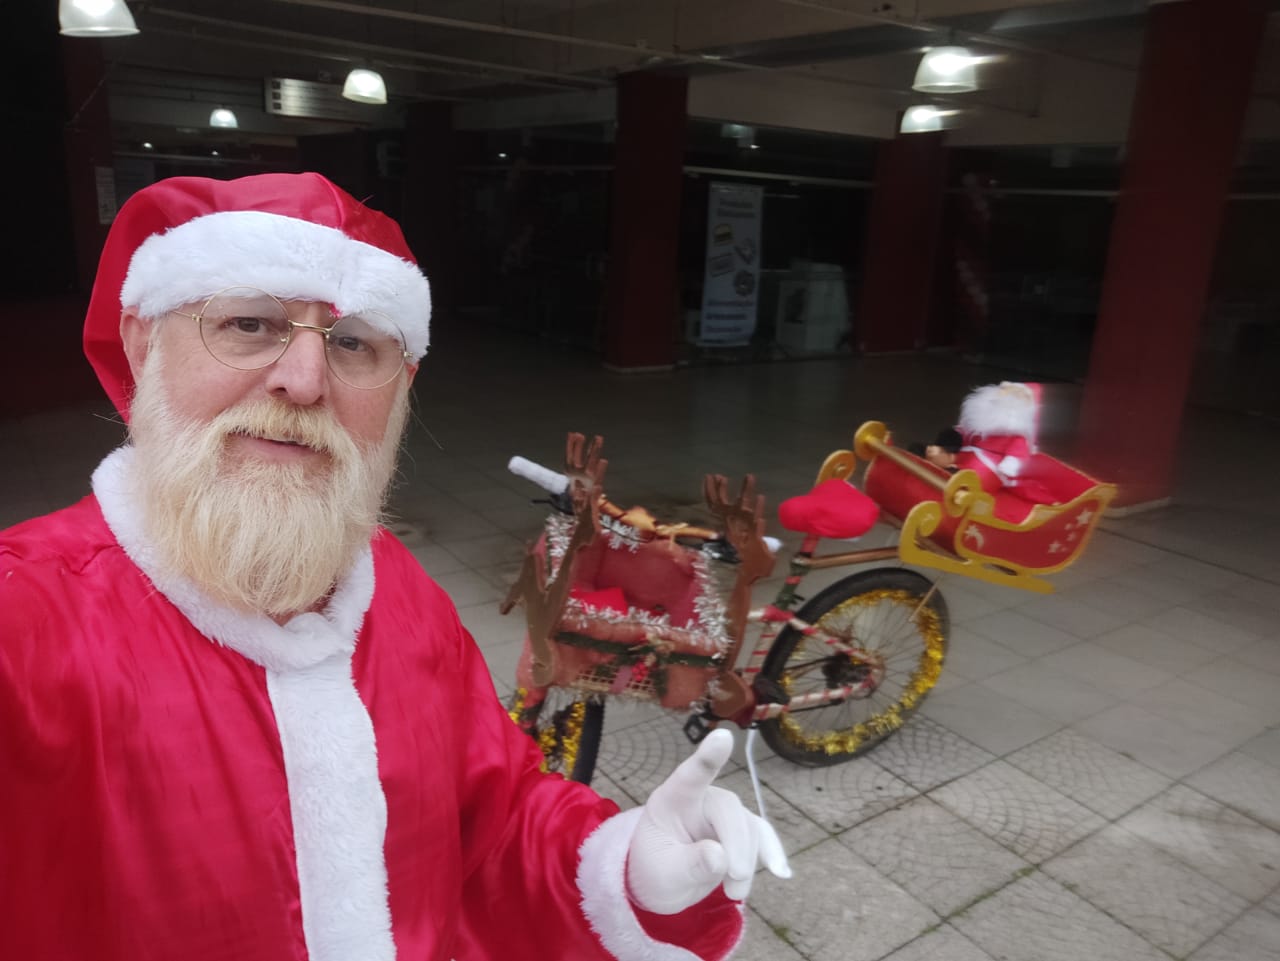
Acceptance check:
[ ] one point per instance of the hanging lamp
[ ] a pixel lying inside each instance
(365, 86)
(95, 18)
(947, 70)
(222, 117)
(923, 118)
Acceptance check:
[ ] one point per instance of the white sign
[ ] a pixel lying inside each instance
(731, 284)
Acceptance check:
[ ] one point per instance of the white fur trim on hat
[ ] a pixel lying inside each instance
(999, 410)
(290, 258)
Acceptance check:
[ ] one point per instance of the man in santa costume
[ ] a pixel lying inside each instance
(237, 720)
(998, 427)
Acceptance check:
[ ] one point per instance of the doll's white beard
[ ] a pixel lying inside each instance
(269, 538)
(999, 410)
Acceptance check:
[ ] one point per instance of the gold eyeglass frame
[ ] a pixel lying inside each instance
(198, 317)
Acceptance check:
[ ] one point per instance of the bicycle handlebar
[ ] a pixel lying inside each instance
(550, 481)
(557, 484)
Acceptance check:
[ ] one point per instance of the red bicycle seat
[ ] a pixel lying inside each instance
(835, 508)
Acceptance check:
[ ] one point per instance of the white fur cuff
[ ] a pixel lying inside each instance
(602, 879)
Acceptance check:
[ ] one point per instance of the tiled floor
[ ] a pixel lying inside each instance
(1097, 775)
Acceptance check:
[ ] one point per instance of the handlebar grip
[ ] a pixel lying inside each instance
(773, 544)
(549, 480)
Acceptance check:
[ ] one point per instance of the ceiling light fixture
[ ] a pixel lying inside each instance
(95, 18)
(222, 117)
(947, 70)
(923, 118)
(365, 86)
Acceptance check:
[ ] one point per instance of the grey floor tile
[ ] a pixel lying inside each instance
(925, 754)
(1264, 747)
(1022, 634)
(1231, 678)
(435, 560)
(1056, 694)
(1200, 629)
(490, 627)
(992, 721)
(974, 656)
(1086, 771)
(1028, 817)
(1263, 655)
(1244, 783)
(467, 587)
(1188, 702)
(836, 907)
(1239, 612)
(1255, 936)
(640, 756)
(761, 942)
(1156, 895)
(1145, 644)
(1037, 919)
(840, 796)
(486, 551)
(1169, 746)
(964, 604)
(1070, 615)
(938, 858)
(1119, 600)
(1238, 852)
(795, 830)
(944, 943)
(1106, 670)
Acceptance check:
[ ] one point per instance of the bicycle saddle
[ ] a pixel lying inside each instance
(835, 508)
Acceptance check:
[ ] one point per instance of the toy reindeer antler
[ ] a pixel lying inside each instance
(544, 599)
(744, 522)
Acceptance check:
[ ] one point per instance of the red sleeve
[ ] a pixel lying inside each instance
(529, 864)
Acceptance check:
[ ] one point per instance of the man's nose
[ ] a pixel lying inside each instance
(301, 375)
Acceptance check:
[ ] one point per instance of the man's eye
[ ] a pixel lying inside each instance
(247, 325)
(348, 342)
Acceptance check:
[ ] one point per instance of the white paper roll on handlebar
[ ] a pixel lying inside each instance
(549, 480)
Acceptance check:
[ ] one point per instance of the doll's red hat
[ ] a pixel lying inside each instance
(297, 236)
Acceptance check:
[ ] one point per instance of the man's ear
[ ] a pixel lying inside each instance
(135, 334)
(413, 372)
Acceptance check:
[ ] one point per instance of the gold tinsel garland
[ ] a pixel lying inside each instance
(929, 668)
(558, 737)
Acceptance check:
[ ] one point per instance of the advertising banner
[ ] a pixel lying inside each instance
(731, 285)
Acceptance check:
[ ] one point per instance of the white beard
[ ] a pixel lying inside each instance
(999, 410)
(264, 537)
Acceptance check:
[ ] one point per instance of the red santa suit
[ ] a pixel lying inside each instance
(185, 781)
(999, 423)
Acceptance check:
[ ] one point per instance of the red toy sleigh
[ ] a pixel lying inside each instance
(950, 523)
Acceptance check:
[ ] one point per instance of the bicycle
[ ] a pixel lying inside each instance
(637, 613)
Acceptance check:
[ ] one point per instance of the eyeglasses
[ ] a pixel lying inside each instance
(249, 329)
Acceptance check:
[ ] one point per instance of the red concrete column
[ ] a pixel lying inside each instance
(642, 315)
(903, 225)
(89, 152)
(1193, 87)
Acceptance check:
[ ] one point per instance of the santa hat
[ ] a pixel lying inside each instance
(1004, 409)
(296, 236)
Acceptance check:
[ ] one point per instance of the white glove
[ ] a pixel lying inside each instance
(692, 837)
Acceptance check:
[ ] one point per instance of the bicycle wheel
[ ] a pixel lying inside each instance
(900, 639)
(566, 726)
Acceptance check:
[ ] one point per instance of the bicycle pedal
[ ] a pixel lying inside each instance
(695, 729)
(769, 691)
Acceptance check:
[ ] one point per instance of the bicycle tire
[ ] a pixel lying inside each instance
(875, 608)
(566, 726)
